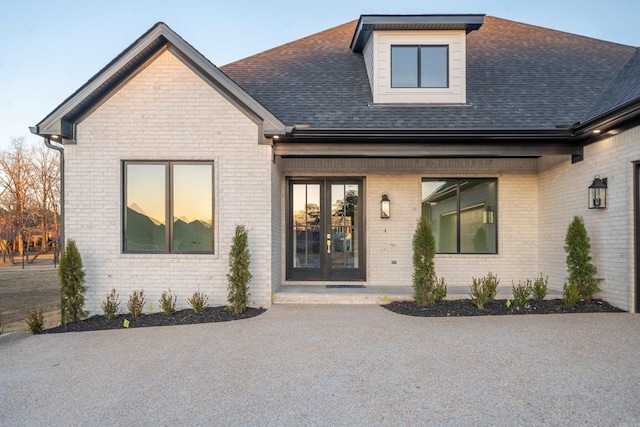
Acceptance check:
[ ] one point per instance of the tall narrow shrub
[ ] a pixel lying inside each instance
(239, 274)
(72, 285)
(581, 271)
(424, 272)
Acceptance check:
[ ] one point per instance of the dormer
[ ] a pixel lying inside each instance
(415, 59)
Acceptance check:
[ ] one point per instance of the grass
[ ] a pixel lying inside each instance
(22, 290)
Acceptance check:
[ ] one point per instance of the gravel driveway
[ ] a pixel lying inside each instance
(331, 365)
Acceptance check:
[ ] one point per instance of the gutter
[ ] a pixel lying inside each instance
(60, 149)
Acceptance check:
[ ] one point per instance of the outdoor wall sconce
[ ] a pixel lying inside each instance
(598, 193)
(385, 206)
(488, 215)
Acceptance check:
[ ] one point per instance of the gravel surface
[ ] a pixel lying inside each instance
(331, 365)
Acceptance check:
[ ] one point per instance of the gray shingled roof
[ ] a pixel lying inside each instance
(518, 77)
(623, 89)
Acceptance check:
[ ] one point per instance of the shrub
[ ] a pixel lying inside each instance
(35, 320)
(239, 274)
(570, 294)
(439, 290)
(484, 289)
(168, 302)
(110, 306)
(72, 285)
(581, 271)
(198, 302)
(135, 305)
(1, 327)
(427, 288)
(540, 287)
(522, 293)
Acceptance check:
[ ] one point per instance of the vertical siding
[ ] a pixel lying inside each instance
(166, 112)
(367, 53)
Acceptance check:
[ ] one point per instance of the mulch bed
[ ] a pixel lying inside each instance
(182, 317)
(464, 307)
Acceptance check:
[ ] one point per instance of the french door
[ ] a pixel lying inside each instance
(325, 233)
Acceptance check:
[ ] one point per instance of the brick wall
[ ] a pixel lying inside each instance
(166, 112)
(563, 194)
(390, 240)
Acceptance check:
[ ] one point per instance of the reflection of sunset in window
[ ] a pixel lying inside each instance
(192, 193)
(146, 190)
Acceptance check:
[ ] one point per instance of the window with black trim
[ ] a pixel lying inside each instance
(463, 214)
(168, 207)
(420, 66)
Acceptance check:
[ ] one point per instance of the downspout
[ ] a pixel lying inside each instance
(60, 149)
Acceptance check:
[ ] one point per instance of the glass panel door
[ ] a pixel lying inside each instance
(306, 226)
(344, 225)
(324, 239)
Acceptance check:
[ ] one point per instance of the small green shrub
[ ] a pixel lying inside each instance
(239, 275)
(35, 320)
(439, 290)
(522, 294)
(427, 287)
(581, 271)
(484, 289)
(571, 294)
(110, 306)
(168, 302)
(72, 285)
(135, 305)
(198, 302)
(540, 287)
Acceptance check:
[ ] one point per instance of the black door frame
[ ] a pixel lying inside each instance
(636, 234)
(325, 273)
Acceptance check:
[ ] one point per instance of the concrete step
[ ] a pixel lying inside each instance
(321, 294)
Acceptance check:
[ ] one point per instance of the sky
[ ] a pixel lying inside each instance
(49, 48)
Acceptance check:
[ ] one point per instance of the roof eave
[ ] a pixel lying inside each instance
(369, 23)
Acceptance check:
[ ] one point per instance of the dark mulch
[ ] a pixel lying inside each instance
(464, 307)
(182, 317)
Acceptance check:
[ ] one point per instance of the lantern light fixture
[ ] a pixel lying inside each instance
(385, 206)
(598, 193)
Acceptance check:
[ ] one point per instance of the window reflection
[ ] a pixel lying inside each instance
(461, 212)
(150, 201)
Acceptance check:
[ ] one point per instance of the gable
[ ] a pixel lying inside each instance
(164, 100)
(60, 124)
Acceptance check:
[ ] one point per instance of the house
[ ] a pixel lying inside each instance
(493, 129)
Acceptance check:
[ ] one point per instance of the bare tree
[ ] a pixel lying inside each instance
(46, 173)
(17, 183)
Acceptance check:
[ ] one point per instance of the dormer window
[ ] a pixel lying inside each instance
(416, 59)
(419, 66)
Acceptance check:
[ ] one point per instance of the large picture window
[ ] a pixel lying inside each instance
(168, 207)
(462, 213)
(419, 66)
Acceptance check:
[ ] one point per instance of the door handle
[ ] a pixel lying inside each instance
(328, 243)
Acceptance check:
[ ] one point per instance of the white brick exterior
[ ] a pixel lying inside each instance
(390, 240)
(563, 188)
(167, 112)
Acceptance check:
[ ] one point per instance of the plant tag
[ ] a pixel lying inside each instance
(508, 303)
(126, 323)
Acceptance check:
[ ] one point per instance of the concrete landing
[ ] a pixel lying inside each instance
(320, 294)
